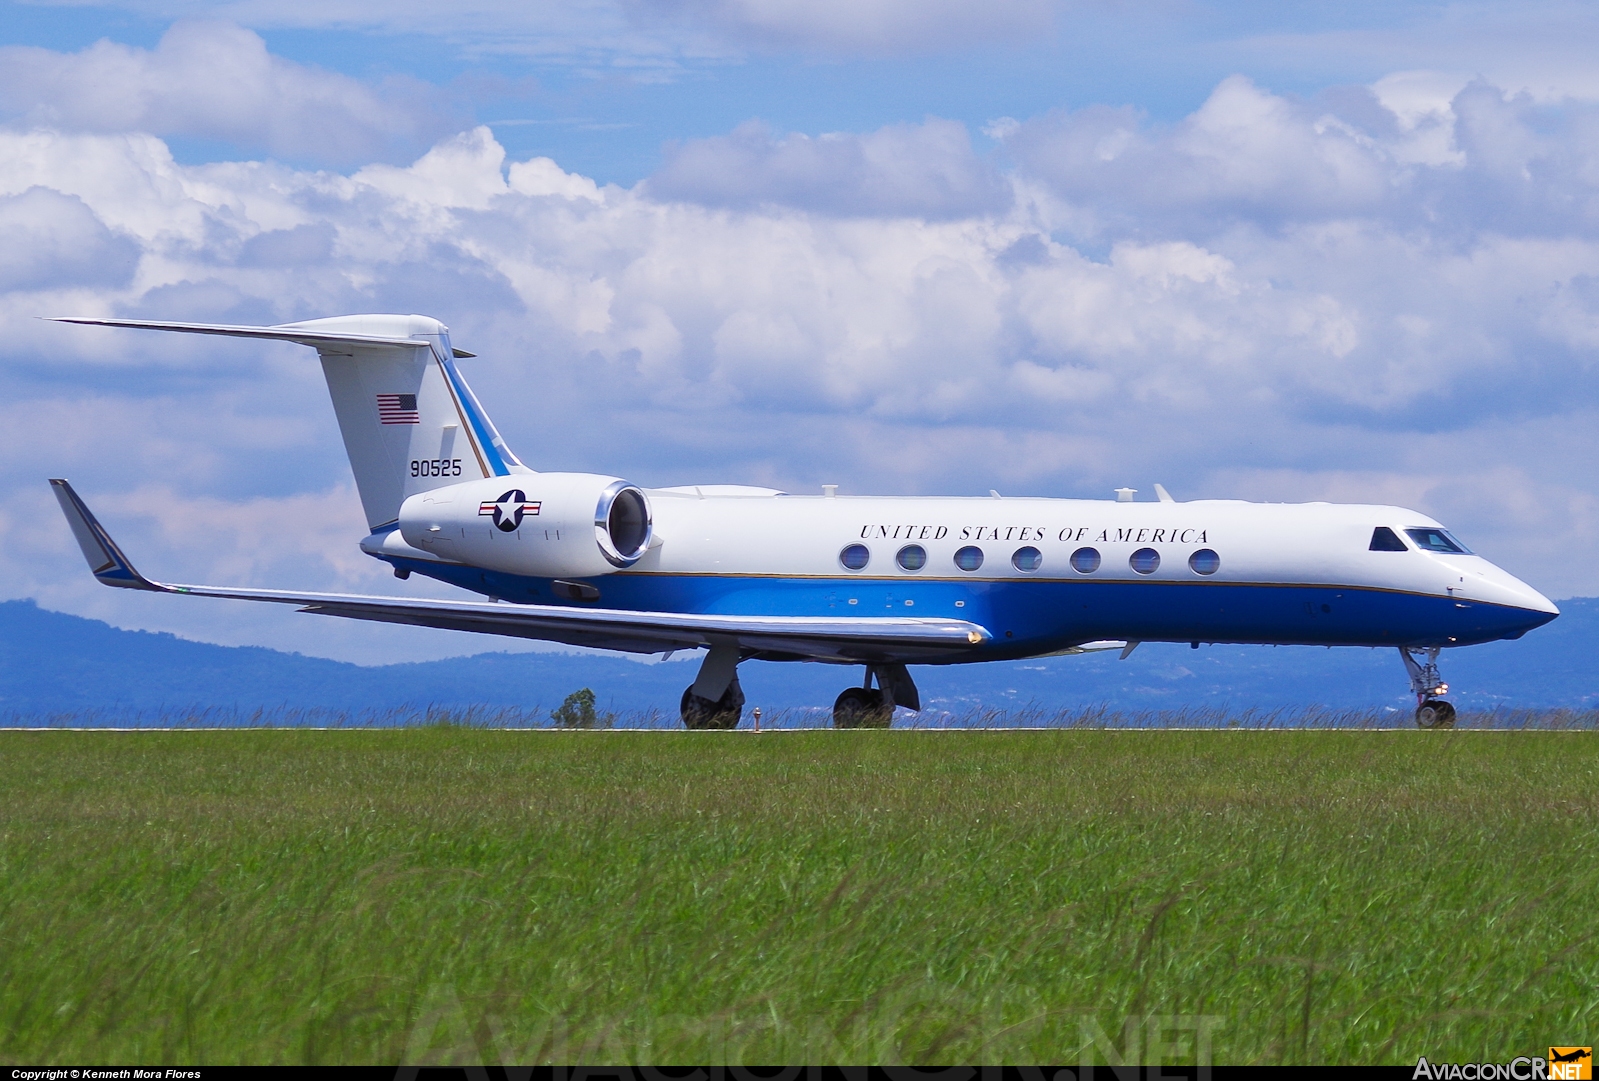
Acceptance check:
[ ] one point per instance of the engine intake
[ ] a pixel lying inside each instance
(622, 524)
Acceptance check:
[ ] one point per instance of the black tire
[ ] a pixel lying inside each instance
(1435, 713)
(722, 715)
(858, 707)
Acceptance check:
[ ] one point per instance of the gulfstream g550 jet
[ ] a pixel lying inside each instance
(879, 583)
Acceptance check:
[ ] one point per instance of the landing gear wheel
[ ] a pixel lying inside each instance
(1435, 713)
(722, 715)
(860, 707)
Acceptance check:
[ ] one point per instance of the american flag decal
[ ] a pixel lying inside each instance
(398, 409)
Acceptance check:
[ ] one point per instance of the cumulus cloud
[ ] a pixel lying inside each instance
(1400, 153)
(921, 170)
(53, 240)
(1270, 298)
(1543, 48)
(215, 80)
(1243, 153)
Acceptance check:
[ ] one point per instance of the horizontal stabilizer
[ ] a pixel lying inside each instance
(285, 332)
(410, 422)
(799, 637)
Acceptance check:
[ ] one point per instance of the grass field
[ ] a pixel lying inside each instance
(1027, 715)
(457, 894)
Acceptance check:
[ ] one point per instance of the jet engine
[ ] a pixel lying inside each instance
(545, 525)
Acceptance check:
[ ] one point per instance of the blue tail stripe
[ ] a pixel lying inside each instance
(495, 452)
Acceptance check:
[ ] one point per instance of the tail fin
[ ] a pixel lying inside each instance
(410, 422)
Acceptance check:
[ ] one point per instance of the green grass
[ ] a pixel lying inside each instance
(458, 894)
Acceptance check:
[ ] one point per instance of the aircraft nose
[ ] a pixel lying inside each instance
(1539, 603)
(1531, 608)
(1524, 596)
(1493, 603)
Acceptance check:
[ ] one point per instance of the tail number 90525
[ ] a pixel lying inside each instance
(435, 467)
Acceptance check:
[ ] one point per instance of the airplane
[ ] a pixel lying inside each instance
(882, 583)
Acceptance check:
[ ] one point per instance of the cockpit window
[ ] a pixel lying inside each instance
(1384, 539)
(1431, 539)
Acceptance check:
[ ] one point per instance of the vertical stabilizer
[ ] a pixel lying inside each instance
(410, 423)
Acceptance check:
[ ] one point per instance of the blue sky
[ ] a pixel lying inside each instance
(604, 86)
(1337, 251)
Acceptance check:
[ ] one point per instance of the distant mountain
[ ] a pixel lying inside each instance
(53, 663)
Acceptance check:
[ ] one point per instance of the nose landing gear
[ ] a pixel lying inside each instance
(1427, 685)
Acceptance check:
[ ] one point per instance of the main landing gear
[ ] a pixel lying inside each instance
(873, 707)
(1427, 685)
(715, 700)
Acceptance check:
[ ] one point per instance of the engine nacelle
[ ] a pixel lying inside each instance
(546, 525)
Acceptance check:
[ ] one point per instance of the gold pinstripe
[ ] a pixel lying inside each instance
(471, 436)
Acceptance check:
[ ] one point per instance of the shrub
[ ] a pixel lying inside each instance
(578, 712)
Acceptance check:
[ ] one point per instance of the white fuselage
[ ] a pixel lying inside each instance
(1267, 572)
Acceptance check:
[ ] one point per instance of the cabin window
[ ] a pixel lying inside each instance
(1145, 560)
(969, 558)
(1384, 539)
(912, 557)
(1085, 560)
(1027, 559)
(855, 557)
(1204, 561)
(1431, 539)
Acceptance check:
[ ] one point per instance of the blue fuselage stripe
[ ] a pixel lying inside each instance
(1029, 617)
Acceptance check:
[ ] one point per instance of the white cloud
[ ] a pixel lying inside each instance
(921, 170)
(1244, 152)
(53, 240)
(1481, 160)
(214, 80)
(1265, 299)
(1543, 48)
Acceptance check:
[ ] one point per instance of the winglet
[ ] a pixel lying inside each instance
(105, 559)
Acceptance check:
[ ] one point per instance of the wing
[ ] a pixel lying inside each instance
(890, 640)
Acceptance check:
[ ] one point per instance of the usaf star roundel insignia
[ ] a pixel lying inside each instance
(507, 511)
